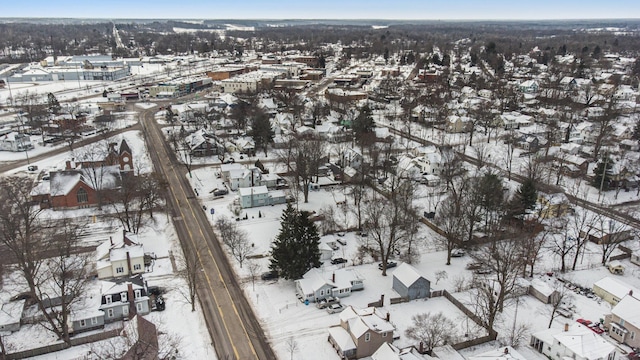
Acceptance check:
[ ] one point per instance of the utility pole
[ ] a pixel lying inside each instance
(604, 172)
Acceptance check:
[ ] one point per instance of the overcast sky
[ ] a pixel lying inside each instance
(325, 9)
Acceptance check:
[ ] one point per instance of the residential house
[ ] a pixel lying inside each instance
(86, 320)
(123, 298)
(15, 142)
(624, 321)
(360, 332)
(603, 230)
(202, 143)
(543, 292)
(255, 196)
(635, 258)
(506, 353)
(458, 124)
(409, 284)
(143, 334)
(529, 86)
(573, 342)
(553, 205)
(613, 290)
(317, 284)
(122, 257)
(388, 351)
(225, 170)
(326, 252)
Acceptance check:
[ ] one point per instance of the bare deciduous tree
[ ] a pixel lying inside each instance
(431, 330)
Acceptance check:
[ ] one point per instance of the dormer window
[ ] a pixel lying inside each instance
(137, 294)
(123, 296)
(108, 299)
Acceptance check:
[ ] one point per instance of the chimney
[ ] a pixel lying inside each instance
(381, 300)
(388, 316)
(132, 302)
(333, 277)
(68, 165)
(566, 327)
(111, 240)
(421, 349)
(506, 350)
(631, 292)
(128, 263)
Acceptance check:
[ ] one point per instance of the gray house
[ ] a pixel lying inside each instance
(410, 284)
(124, 298)
(87, 320)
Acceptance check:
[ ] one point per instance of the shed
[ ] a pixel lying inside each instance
(410, 284)
(542, 291)
(616, 267)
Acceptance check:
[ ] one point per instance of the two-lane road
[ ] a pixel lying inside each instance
(234, 329)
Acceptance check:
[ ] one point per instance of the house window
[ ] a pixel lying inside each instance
(119, 270)
(83, 323)
(139, 307)
(384, 334)
(367, 337)
(94, 321)
(125, 310)
(633, 335)
(123, 296)
(110, 313)
(137, 294)
(321, 292)
(137, 267)
(108, 299)
(82, 196)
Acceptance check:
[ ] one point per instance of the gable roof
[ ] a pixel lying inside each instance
(627, 310)
(407, 274)
(124, 147)
(585, 343)
(615, 287)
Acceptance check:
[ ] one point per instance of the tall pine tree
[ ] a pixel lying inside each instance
(295, 249)
(602, 174)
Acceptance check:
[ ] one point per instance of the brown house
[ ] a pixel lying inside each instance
(361, 332)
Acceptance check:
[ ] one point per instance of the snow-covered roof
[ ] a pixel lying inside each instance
(627, 310)
(615, 287)
(362, 320)
(542, 287)
(232, 166)
(11, 312)
(388, 351)
(256, 190)
(585, 343)
(506, 353)
(135, 251)
(342, 338)
(406, 274)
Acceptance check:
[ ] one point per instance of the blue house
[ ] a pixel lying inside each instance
(410, 284)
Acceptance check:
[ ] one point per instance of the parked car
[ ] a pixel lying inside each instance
(457, 253)
(338, 261)
(333, 246)
(390, 264)
(634, 356)
(327, 302)
(340, 233)
(269, 275)
(482, 271)
(341, 241)
(220, 192)
(474, 266)
(584, 322)
(335, 308)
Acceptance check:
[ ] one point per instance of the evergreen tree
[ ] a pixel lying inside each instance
(261, 131)
(363, 124)
(602, 175)
(526, 197)
(52, 102)
(295, 249)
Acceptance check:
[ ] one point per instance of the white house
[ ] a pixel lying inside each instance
(260, 196)
(14, 141)
(317, 284)
(117, 258)
(573, 342)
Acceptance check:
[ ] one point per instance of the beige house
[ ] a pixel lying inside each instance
(118, 258)
(361, 332)
(613, 290)
(624, 321)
